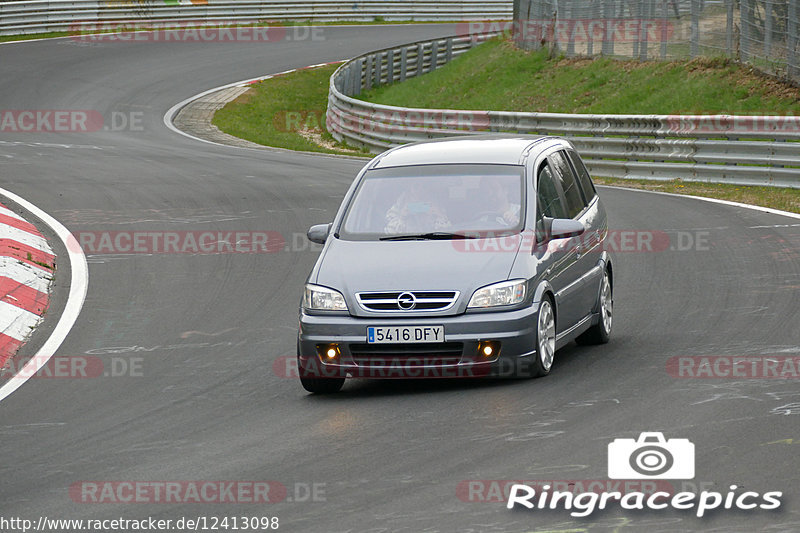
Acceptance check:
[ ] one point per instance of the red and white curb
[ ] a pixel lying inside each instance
(27, 264)
(73, 260)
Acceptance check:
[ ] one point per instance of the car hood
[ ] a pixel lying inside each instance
(461, 265)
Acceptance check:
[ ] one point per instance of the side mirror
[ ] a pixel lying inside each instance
(561, 228)
(319, 233)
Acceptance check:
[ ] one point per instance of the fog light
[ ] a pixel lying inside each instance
(328, 352)
(488, 349)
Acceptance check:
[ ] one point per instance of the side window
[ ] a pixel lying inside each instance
(549, 200)
(562, 171)
(589, 191)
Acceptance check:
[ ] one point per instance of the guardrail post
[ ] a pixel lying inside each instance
(420, 59)
(368, 72)
(390, 66)
(403, 63)
(347, 73)
(359, 77)
(434, 55)
(378, 73)
(449, 49)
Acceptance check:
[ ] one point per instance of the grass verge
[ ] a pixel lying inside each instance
(499, 77)
(286, 112)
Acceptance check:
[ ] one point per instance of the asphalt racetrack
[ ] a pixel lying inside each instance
(190, 389)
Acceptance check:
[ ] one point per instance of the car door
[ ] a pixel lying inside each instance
(583, 297)
(596, 222)
(558, 256)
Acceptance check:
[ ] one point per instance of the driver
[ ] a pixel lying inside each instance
(415, 211)
(503, 211)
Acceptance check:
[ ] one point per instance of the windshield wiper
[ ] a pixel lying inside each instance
(433, 236)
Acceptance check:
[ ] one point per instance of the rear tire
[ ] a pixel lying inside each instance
(600, 333)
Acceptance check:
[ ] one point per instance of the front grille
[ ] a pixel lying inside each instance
(391, 301)
(407, 355)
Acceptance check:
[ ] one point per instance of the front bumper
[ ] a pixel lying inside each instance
(458, 356)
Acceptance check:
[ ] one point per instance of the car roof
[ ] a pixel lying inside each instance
(478, 149)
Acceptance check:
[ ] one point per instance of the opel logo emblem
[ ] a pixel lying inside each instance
(406, 301)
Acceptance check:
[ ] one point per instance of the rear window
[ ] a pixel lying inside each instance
(562, 171)
(583, 176)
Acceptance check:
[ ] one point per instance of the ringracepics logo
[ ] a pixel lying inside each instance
(650, 456)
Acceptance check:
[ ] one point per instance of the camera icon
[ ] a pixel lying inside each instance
(651, 457)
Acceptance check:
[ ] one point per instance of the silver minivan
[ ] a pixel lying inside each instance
(459, 257)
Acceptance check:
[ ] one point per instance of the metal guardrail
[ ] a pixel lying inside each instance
(40, 16)
(743, 150)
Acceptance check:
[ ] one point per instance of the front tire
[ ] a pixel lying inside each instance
(545, 341)
(600, 333)
(319, 385)
(313, 382)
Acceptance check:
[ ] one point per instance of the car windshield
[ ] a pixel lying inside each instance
(436, 202)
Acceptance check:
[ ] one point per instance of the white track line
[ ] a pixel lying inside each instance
(715, 201)
(79, 284)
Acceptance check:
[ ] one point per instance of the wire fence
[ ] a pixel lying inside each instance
(763, 33)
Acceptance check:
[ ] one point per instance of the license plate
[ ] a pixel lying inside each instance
(404, 334)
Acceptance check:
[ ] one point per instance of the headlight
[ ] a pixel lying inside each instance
(318, 298)
(504, 293)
